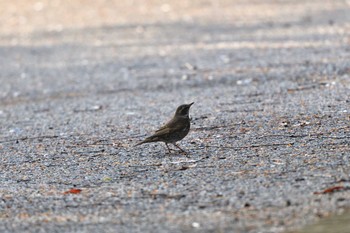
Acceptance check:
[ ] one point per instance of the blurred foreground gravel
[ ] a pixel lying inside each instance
(83, 81)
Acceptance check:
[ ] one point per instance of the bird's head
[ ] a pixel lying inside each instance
(183, 110)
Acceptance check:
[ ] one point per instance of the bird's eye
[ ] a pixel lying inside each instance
(184, 110)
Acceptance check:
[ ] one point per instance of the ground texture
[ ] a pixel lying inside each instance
(83, 81)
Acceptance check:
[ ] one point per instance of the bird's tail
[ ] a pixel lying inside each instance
(139, 143)
(149, 139)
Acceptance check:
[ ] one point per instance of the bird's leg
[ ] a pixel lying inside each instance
(167, 147)
(180, 148)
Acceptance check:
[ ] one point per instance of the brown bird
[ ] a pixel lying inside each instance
(175, 130)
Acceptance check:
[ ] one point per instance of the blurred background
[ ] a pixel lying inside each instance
(53, 46)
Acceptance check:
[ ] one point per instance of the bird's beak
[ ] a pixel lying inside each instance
(191, 104)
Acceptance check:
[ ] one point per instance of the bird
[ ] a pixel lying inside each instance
(174, 130)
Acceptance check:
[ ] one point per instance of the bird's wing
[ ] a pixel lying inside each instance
(162, 131)
(171, 126)
(161, 128)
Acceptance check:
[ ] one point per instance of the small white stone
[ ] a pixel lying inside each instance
(196, 225)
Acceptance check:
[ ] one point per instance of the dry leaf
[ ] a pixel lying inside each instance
(73, 191)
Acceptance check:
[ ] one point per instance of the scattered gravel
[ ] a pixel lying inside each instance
(83, 82)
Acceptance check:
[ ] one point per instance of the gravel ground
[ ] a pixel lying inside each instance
(82, 82)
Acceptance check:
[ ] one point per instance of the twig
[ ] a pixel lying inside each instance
(215, 127)
(304, 135)
(163, 195)
(290, 136)
(188, 161)
(147, 165)
(242, 102)
(29, 138)
(252, 146)
(244, 110)
(307, 87)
